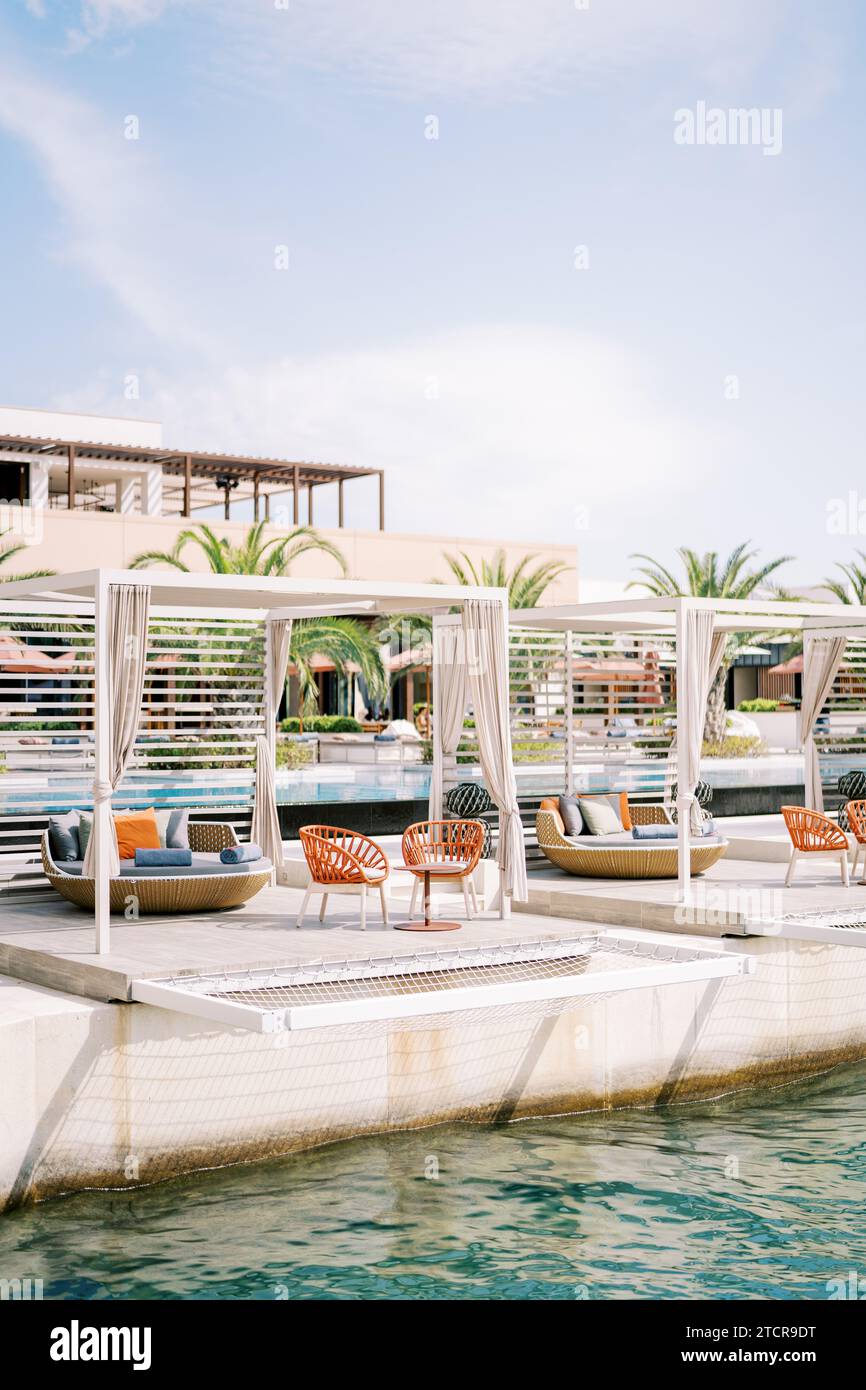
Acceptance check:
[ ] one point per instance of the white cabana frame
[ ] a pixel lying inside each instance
(175, 594)
(672, 616)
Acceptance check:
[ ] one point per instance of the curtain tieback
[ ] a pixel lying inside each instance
(102, 792)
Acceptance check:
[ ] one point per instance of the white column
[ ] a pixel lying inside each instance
(125, 494)
(569, 713)
(151, 491)
(685, 715)
(102, 809)
(38, 486)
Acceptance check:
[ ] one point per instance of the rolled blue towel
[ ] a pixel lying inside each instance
(654, 832)
(163, 859)
(240, 854)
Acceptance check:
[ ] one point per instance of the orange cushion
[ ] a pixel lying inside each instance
(136, 830)
(624, 814)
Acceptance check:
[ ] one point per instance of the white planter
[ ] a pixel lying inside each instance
(778, 728)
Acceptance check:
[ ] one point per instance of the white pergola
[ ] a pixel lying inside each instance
(698, 627)
(277, 601)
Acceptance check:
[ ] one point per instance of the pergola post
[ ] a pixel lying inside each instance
(101, 829)
(569, 713)
(270, 714)
(70, 477)
(685, 717)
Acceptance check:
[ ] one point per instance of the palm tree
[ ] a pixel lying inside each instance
(524, 591)
(856, 586)
(253, 556)
(338, 640)
(705, 578)
(7, 552)
(525, 586)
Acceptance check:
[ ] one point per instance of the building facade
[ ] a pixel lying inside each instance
(82, 490)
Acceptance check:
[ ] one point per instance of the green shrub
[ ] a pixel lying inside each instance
(293, 755)
(732, 747)
(322, 724)
(758, 706)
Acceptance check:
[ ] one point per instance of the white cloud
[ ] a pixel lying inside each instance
(509, 47)
(113, 201)
(494, 431)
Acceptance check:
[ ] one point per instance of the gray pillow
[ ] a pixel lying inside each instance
(63, 838)
(85, 825)
(173, 828)
(569, 810)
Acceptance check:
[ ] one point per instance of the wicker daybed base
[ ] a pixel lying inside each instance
(620, 861)
(174, 892)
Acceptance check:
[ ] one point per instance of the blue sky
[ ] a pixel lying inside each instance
(432, 320)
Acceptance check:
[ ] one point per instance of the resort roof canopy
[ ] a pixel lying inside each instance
(273, 597)
(730, 615)
(221, 471)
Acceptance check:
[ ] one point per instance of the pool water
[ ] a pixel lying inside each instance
(760, 1196)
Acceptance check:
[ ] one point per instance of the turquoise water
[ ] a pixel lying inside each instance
(750, 1198)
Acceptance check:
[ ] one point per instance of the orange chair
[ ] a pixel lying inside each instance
(856, 813)
(342, 861)
(441, 842)
(813, 833)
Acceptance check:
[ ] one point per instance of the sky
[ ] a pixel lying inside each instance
(471, 242)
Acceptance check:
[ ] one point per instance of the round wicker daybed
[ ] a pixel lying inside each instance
(635, 860)
(209, 884)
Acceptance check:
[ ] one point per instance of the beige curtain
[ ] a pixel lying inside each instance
(278, 659)
(485, 633)
(449, 705)
(128, 612)
(265, 828)
(822, 657)
(715, 656)
(705, 650)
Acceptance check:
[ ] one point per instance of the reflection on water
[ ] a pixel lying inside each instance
(748, 1198)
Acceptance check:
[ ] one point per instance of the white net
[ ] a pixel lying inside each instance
(435, 973)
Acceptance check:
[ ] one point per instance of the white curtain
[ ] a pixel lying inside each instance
(128, 612)
(705, 651)
(449, 705)
(265, 827)
(715, 657)
(486, 653)
(822, 657)
(278, 660)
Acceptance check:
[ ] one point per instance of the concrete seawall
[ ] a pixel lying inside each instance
(112, 1095)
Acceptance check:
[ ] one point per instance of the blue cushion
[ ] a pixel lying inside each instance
(240, 854)
(669, 832)
(654, 832)
(63, 837)
(163, 858)
(202, 864)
